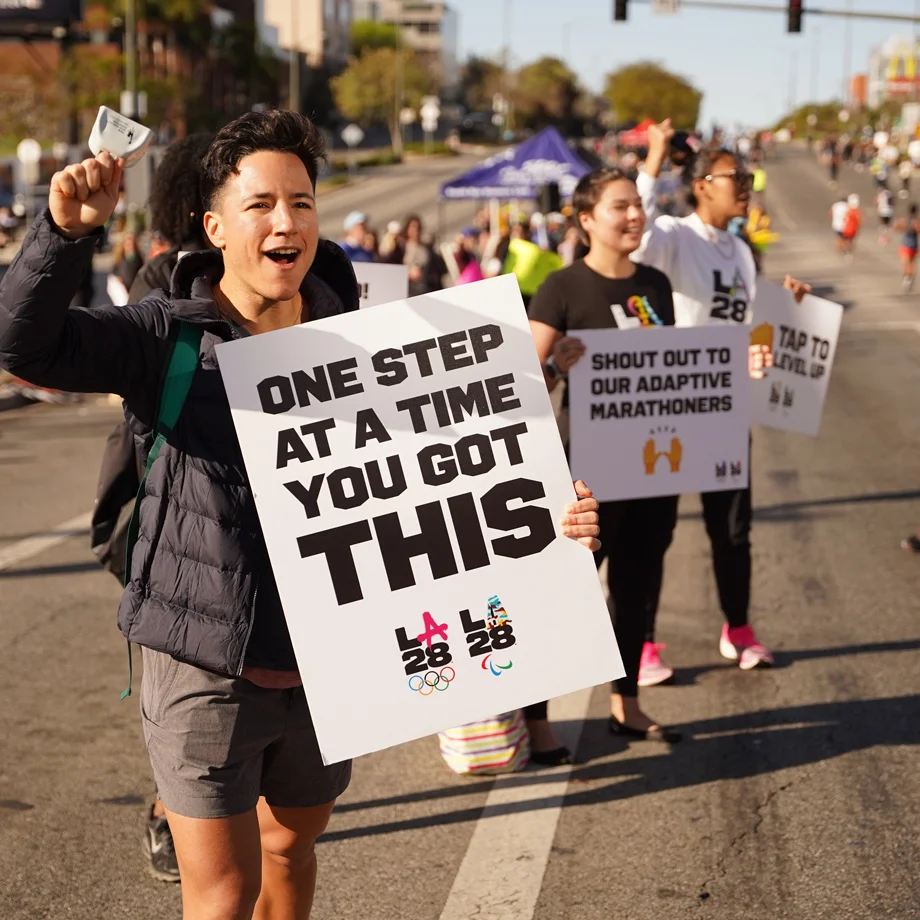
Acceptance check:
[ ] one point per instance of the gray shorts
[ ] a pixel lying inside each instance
(218, 743)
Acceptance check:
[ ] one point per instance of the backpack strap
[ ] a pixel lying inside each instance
(183, 362)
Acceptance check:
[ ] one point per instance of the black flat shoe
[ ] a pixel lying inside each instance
(555, 758)
(667, 735)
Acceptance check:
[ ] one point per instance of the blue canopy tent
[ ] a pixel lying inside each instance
(517, 173)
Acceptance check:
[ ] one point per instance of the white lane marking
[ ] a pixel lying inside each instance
(31, 546)
(502, 872)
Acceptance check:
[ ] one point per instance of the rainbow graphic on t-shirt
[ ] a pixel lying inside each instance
(639, 307)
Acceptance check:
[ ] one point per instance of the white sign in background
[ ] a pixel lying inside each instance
(801, 340)
(380, 283)
(660, 411)
(411, 487)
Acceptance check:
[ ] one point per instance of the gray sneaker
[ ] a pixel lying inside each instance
(158, 845)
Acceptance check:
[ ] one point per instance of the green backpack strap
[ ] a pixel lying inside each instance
(183, 362)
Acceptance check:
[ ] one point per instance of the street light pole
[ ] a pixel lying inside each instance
(131, 56)
(506, 62)
(294, 64)
(815, 68)
(847, 53)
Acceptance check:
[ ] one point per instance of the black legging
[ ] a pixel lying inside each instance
(728, 523)
(635, 536)
(536, 711)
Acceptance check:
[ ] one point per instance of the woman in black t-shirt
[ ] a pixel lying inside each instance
(607, 290)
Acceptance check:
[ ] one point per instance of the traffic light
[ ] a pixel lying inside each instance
(619, 10)
(795, 16)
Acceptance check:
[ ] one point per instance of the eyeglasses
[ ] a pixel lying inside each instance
(744, 181)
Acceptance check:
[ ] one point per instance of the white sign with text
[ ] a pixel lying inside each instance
(793, 347)
(380, 283)
(660, 411)
(409, 480)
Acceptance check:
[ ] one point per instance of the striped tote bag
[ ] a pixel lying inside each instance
(497, 745)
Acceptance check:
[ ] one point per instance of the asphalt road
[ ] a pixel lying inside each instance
(796, 798)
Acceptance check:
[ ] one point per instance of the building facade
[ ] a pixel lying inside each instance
(430, 29)
(318, 29)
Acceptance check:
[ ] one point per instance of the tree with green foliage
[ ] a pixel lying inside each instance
(647, 90)
(366, 90)
(480, 80)
(368, 35)
(545, 93)
(30, 100)
(178, 11)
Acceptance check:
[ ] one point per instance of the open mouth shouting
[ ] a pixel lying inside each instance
(284, 256)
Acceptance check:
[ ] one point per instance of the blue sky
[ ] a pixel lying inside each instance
(742, 61)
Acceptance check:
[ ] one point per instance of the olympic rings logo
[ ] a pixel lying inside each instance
(433, 680)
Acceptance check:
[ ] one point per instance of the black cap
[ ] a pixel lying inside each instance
(684, 142)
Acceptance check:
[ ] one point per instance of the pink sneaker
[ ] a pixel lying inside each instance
(652, 670)
(741, 645)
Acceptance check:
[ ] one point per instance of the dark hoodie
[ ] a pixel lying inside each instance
(201, 586)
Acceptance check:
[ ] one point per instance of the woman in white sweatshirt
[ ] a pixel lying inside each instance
(714, 280)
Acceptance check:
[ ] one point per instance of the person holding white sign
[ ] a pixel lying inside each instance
(227, 725)
(714, 279)
(602, 291)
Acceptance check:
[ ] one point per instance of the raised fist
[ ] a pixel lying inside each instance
(659, 136)
(83, 196)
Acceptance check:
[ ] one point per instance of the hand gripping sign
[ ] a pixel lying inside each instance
(409, 477)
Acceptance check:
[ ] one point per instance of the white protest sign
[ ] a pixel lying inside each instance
(409, 478)
(381, 283)
(660, 411)
(797, 343)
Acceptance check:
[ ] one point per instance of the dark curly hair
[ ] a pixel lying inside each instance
(176, 209)
(286, 132)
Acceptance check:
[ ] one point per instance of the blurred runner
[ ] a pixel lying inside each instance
(838, 215)
(909, 227)
(884, 208)
(905, 171)
(852, 223)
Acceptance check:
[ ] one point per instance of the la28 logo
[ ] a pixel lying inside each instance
(419, 658)
(729, 302)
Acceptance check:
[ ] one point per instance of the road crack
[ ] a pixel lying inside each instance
(736, 845)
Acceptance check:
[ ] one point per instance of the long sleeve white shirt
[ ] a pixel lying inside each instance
(711, 271)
